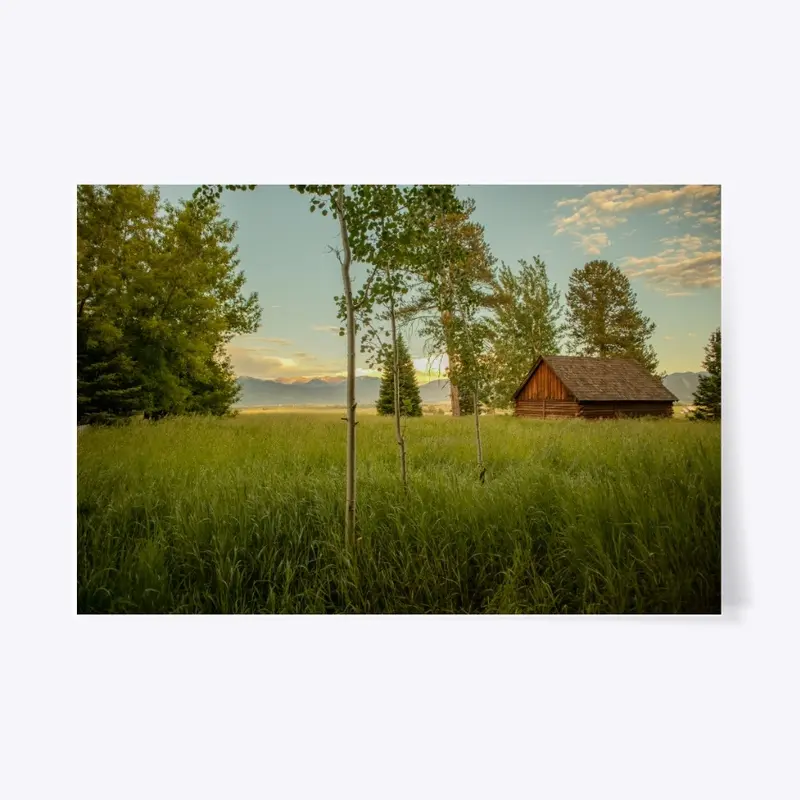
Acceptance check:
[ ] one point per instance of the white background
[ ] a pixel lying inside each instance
(397, 707)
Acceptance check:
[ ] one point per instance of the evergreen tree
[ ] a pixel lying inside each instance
(410, 399)
(708, 396)
(603, 318)
(158, 298)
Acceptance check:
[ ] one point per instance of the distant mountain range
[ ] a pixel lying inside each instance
(325, 391)
(330, 391)
(683, 384)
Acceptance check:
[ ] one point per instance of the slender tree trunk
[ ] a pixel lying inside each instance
(455, 403)
(398, 432)
(479, 445)
(350, 491)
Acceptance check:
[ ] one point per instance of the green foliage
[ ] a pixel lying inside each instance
(209, 194)
(527, 324)
(158, 297)
(244, 516)
(410, 399)
(708, 397)
(454, 272)
(603, 318)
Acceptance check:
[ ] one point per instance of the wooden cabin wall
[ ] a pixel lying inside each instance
(566, 409)
(619, 409)
(547, 409)
(544, 385)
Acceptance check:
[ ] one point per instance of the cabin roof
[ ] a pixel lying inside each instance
(604, 379)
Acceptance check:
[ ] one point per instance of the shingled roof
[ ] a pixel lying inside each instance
(604, 379)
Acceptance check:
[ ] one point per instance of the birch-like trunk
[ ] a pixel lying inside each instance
(350, 481)
(478, 443)
(398, 431)
(455, 403)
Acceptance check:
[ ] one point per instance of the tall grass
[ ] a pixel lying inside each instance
(246, 515)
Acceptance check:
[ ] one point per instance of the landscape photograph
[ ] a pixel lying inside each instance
(399, 399)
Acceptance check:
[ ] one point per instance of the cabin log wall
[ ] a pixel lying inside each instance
(621, 409)
(547, 409)
(544, 385)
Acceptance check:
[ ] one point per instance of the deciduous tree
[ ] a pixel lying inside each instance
(526, 324)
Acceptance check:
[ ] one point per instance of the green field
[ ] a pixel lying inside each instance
(246, 515)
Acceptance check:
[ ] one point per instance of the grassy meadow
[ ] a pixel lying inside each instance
(245, 515)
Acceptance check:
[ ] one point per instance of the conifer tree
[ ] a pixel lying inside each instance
(410, 399)
(708, 396)
(603, 316)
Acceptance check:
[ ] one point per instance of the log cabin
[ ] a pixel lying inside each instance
(559, 387)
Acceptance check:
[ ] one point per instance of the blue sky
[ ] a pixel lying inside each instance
(666, 238)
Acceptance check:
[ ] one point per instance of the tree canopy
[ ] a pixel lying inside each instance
(526, 324)
(603, 317)
(410, 399)
(158, 298)
(708, 396)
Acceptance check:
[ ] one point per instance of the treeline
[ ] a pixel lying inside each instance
(158, 297)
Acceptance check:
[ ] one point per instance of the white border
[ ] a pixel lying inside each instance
(398, 707)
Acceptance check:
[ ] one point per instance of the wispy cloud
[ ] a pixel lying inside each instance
(677, 268)
(687, 262)
(325, 328)
(256, 362)
(606, 207)
(268, 339)
(688, 242)
(593, 243)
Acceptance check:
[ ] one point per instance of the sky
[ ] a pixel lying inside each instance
(665, 238)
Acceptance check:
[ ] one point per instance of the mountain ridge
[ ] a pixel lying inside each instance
(330, 390)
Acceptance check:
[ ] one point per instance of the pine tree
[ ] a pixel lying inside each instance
(410, 399)
(603, 318)
(158, 298)
(708, 396)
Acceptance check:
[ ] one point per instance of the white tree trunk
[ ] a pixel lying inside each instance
(350, 481)
(398, 432)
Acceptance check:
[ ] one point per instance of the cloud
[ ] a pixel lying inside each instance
(684, 265)
(593, 243)
(605, 207)
(687, 242)
(255, 362)
(269, 339)
(679, 294)
(276, 306)
(702, 269)
(326, 328)
(669, 338)
(665, 210)
(691, 334)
